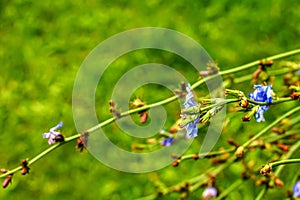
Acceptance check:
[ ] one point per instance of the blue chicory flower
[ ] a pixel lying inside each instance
(167, 142)
(192, 127)
(209, 192)
(262, 94)
(53, 133)
(296, 189)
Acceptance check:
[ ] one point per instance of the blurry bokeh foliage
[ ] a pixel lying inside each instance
(42, 45)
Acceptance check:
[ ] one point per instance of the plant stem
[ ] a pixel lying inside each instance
(261, 194)
(285, 162)
(237, 184)
(271, 125)
(277, 101)
(294, 148)
(165, 101)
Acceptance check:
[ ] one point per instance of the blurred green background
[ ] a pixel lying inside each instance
(43, 44)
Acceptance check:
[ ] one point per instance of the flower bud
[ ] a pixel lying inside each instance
(174, 129)
(239, 153)
(144, 117)
(25, 168)
(209, 192)
(232, 142)
(175, 163)
(7, 181)
(266, 169)
(278, 182)
(196, 156)
(246, 119)
(111, 103)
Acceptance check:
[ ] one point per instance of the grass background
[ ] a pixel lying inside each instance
(42, 45)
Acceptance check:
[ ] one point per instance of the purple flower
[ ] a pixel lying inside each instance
(262, 94)
(191, 127)
(209, 192)
(298, 72)
(53, 135)
(167, 142)
(296, 189)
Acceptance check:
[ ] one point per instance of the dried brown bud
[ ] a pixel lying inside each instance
(111, 103)
(174, 129)
(25, 168)
(196, 156)
(233, 143)
(175, 163)
(217, 160)
(278, 130)
(246, 118)
(245, 175)
(81, 143)
(295, 95)
(278, 182)
(283, 147)
(7, 181)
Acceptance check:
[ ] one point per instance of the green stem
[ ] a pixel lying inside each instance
(226, 192)
(277, 101)
(293, 149)
(210, 154)
(261, 194)
(285, 162)
(271, 125)
(168, 100)
(280, 165)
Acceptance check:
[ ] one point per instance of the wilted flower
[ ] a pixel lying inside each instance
(53, 135)
(192, 126)
(209, 192)
(296, 189)
(262, 94)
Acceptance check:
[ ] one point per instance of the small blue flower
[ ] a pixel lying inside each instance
(209, 192)
(298, 72)
(53, 134)
(167, 142)
(296, 189)
(191, 127)
(262, 94)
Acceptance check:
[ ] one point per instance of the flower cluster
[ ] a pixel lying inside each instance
(53, 135)
(192, 126)
(262, 94)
